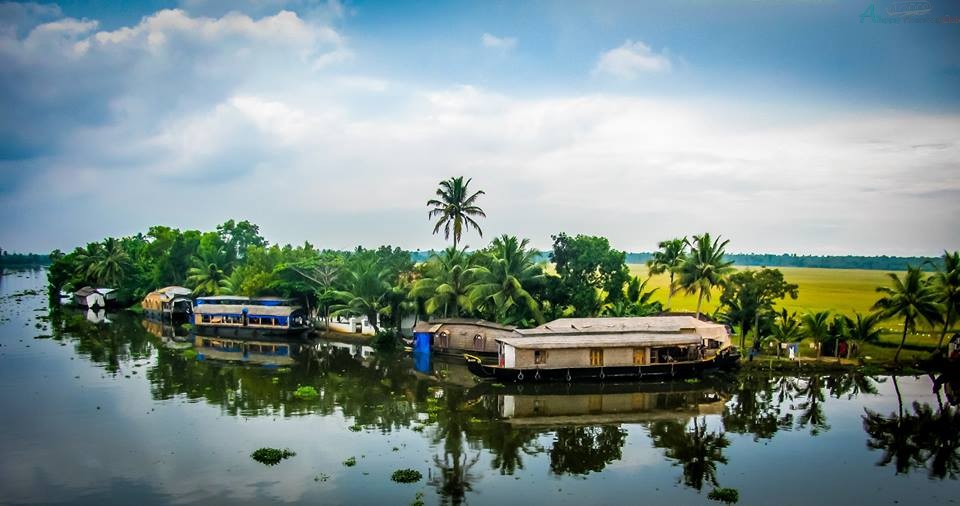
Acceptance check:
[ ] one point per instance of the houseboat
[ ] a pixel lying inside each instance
(172, 303)
(610, 349)
(92, 298)
(245, 316)
(455, 336)
(275, 353)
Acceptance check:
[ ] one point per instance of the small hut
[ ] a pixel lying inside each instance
(90, 297)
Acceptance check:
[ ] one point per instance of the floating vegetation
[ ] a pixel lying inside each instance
(306, 392)
(352, 461)
(189, 354)
(418, 500)
(724, 495)
(271, 456)
(321, 478)
(406, 476)
(355, 427)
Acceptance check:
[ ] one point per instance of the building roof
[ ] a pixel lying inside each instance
(624, 325)
(600, 341)
(436, 325)
(253, 310)
(85, 291)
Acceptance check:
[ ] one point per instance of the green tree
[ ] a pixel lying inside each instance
(705, 267)
(669, 258)
(445, 283)
(946, 282)
(587, 267)
(864, 328)
(366, 294)
(207, 277)
(238, 236)
(911, 298)
(508, 269)
(111, 264)
(786, 329)
(455, 209)
(816, 326)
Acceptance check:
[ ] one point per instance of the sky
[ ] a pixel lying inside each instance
(802, 126)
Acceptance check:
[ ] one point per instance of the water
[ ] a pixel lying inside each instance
(110, 413)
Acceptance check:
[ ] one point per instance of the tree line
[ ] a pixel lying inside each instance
(506, 281)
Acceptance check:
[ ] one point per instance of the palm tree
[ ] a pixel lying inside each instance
(863, 328)
(786, 329)
(206, 277)
(112, 262)
(510, 268)
(367, 293)
(817, 327)
(456, 207)
(668, 259)
(910, 298)
(704, 268)
(947, 284)
(446, 282)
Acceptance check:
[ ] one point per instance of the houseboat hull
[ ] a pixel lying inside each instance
(652, 372)
(251, 332)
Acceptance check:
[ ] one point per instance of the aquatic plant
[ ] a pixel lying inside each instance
(406, 476)
(306, 392)
(352, 461)
(189, 354)
(271, 456)
(724, 495)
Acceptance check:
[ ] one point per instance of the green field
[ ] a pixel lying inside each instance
(838, 290)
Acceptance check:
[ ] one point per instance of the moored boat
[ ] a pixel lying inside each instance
(245, 316)
(610, 349)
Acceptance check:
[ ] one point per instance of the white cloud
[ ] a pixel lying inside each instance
(500, 43)
(631, 60)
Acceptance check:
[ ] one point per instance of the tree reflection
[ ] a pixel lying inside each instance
(582, 450)
(757, 407)
(809, 392)
(696, 450)
(923, 439)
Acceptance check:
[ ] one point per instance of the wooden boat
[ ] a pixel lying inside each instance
(610, 349)
(171, 302)
(248, 317)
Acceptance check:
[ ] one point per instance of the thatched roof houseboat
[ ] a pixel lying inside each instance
(229, 315)
(168, 301)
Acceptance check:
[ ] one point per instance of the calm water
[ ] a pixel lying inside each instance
(116, 413)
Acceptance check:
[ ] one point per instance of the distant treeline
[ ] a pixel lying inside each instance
(17, 260)
(883, 263)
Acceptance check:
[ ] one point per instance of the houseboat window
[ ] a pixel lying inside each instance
(540, 357)
(639, 356)
(596, 356)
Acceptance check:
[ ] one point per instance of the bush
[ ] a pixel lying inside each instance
(306, 392)
(406, 476)
(271, 456)
(189, 354)
(725, 495)
(385, 340)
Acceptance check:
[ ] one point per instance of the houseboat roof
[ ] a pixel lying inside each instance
(624, 325)
(435, 325)
(600, 341)
(169, 293)
(238, 309)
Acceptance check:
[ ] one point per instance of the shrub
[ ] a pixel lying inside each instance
(271, 456)
(406, 476)
(385, 341)
(189, 354)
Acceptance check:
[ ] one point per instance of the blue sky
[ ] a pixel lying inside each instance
(784, 125)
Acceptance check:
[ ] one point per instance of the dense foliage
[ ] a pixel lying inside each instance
(22, 260)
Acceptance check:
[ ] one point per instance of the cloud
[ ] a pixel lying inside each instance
(631, 60)
(499, 43)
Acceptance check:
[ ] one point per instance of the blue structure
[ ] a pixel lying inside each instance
(421, 342)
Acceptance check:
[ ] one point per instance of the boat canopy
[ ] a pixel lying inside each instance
(635, 340)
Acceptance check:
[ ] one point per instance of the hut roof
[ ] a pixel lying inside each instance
(251, 309)
(85, 291)
(436, 325)
(624, 325)
(600, 341)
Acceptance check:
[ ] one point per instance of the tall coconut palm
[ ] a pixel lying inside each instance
(112, 262)
(909, 297)
(704, 268)
(668, 259)
(446, 282)
(817, 327)
(207, 277)
(508, 269)
(947, 284)
(455, 207)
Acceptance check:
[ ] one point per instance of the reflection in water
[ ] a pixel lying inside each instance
(475, 433)
(922, 439)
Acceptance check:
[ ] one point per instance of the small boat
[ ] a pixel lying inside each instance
(610, 349)
(245, 316)
(171, 302)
